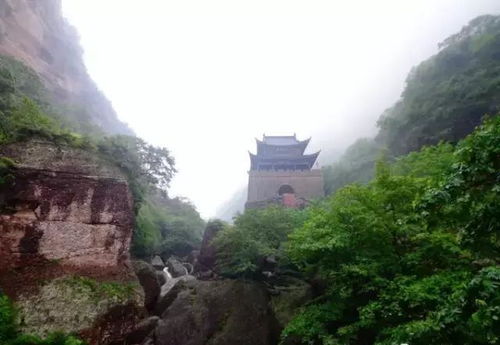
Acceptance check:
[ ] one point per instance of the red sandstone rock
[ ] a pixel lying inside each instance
(64, 205)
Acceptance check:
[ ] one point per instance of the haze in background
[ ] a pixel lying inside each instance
(204, 78)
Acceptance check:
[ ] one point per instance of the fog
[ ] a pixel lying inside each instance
(204, 78)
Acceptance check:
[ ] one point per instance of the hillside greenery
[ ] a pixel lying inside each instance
(444, 99)
(166, 226)
(410, 257)
(447, 95)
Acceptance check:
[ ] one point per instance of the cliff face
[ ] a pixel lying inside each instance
(34, 32)
(66, 205)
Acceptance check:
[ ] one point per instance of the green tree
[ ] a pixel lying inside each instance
(166, 226)
(256, 234)
(408, 258)
(145, 165)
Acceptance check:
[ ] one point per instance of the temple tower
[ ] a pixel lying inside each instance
(281, 173)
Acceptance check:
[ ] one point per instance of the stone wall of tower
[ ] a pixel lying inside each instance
(264, 185)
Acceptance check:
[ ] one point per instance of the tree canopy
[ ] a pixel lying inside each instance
(411, 257)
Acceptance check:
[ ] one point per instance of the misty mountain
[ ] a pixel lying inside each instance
(445, 98)
(35, 33)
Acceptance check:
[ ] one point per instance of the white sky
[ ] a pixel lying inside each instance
(204, 78)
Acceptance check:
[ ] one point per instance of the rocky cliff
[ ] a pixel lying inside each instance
(35, 32)
(64, 204)
(66, 219)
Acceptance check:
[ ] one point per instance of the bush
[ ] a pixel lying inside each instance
(256, 234)
(408, 258)
(166, 226)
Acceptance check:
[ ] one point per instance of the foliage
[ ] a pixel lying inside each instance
(446, 96)
(355, 165)
(146, 166)
(412, 256)
(119, 291)
(166, 226)
(6, 165)
(469, 197)
(256, 234)
(10, 335)
(430, 161)
(444, 99)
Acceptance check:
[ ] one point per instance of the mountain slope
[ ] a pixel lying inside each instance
(36, 33)
(445, 98)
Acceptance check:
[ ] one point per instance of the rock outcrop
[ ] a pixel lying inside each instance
(221, 312)
(36, 33)
(150, 282)
(100, 312)
(65, 204)
(66, 223)
(205, 263)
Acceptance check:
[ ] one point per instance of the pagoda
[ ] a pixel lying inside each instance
(281, 172)
(282, 153)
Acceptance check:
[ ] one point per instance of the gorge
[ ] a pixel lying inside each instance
(397, 245)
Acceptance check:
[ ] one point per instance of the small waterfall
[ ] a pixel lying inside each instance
(167, 273)
(171, 281)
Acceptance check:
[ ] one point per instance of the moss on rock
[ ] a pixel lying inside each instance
(72, 304)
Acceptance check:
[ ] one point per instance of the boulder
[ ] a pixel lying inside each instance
(176, 268)
(168, 297)
(142, 330)
(100, 312)
(157, 262)
(223, 312)
(149, 280)
(207, 257)
(114, 327)
(289, 294)
(162, 277)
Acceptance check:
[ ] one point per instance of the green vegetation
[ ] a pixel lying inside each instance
(444, 100)
(256, 235)
(447, 95)
(355, 165)
(10, 335)
(17, 82)
(115, 290)
(6, 165)
(411, 257)
(167, 227)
